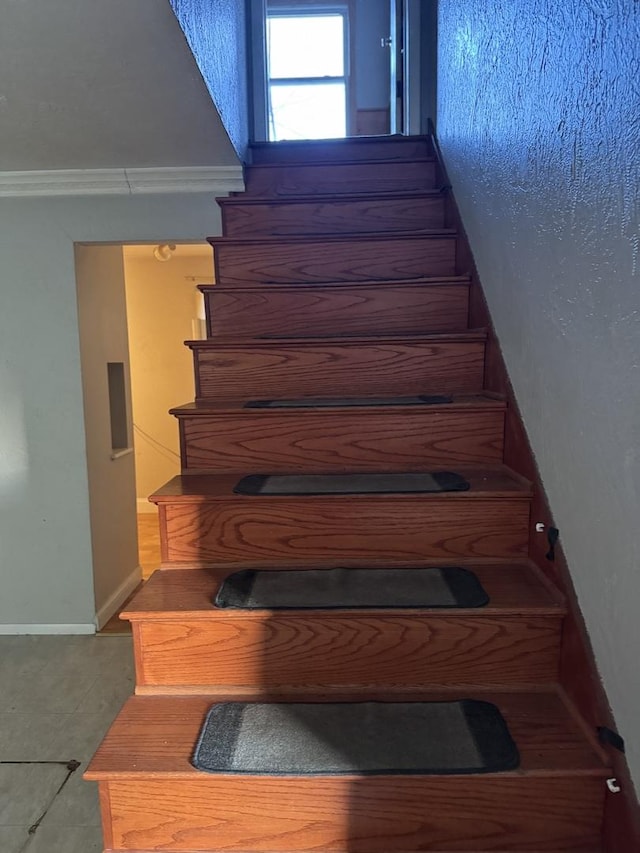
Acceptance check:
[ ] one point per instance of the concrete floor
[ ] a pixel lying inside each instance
(58, 696)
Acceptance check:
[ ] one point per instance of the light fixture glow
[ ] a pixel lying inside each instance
(164, 251)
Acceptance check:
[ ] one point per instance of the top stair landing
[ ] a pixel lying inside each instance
(352, 148)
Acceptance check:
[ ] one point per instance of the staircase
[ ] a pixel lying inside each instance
(339, 278)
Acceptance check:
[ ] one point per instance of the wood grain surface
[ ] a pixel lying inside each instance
(362, 148)
(325, 310)
(378, 815)
(278, 369)
(329, 259)
(292, 651)
(285, 217)
(315, 440)
(158, 801)
(340, 178)
(344, 527)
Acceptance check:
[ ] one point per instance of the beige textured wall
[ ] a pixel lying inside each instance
(162, 303)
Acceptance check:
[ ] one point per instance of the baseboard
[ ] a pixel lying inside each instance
(54, 628)
(117, 598)
(143, 507)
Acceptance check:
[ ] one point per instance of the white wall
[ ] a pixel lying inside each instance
(45, 545)
(102, 319)
(162, 302)
(217, 34)
(538, 109)
(89, 84)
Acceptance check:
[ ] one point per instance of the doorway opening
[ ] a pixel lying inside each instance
(137, 305)
(307, 73)
(325, 69)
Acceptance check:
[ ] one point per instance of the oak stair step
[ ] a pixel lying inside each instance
(356, 366)
(352, 148)
(183, 643)
(254, 217)
(377, 308)
(345, 177)
(204, 522)
(226, 437)
(154, 799)
(341, 257)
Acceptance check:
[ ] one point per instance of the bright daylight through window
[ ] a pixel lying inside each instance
(307, 76)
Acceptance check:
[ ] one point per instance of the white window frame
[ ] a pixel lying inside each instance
(312, 10)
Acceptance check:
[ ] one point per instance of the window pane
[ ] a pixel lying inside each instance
(308, 112)
(306, 46)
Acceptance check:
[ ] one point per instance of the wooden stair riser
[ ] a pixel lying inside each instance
(350, 216)
(340, 178)
(311, 440)
(347, 528)
(325, 369)
(288, 652)
(363, 148)
(353, 815)
(319, 260)
(322, 310)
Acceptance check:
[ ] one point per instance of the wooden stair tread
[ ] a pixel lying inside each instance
(176, 594)
(343, 340)
(347, 161)
(326, 199)
(155, 736)
(433, 281)
(465, 402)
(495, 481)
(355, 237)
(361, 148)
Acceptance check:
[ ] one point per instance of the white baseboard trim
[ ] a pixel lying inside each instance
(55, 628)
(143, 507)
(180, 179)
(118, 597)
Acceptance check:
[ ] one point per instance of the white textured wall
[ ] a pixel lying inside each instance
(538, 122)
(217, 34)
(45, 544)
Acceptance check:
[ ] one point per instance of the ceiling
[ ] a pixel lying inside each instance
(88, 84)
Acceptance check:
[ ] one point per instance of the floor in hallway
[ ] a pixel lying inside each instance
(148, 543)
(58, 696)
(149, 557)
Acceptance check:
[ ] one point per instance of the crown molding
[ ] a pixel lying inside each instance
(82, 182)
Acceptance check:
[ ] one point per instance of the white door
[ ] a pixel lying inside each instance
(396, 66)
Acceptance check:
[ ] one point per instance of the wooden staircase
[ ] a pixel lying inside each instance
(338, 277)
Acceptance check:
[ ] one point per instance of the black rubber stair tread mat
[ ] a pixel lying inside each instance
(350, 484)
(355, 402)
(348, 589)
(360, 738)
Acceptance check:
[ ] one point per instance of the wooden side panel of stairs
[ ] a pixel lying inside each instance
(365, 300)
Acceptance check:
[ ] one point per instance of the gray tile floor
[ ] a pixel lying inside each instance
(58, 696)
